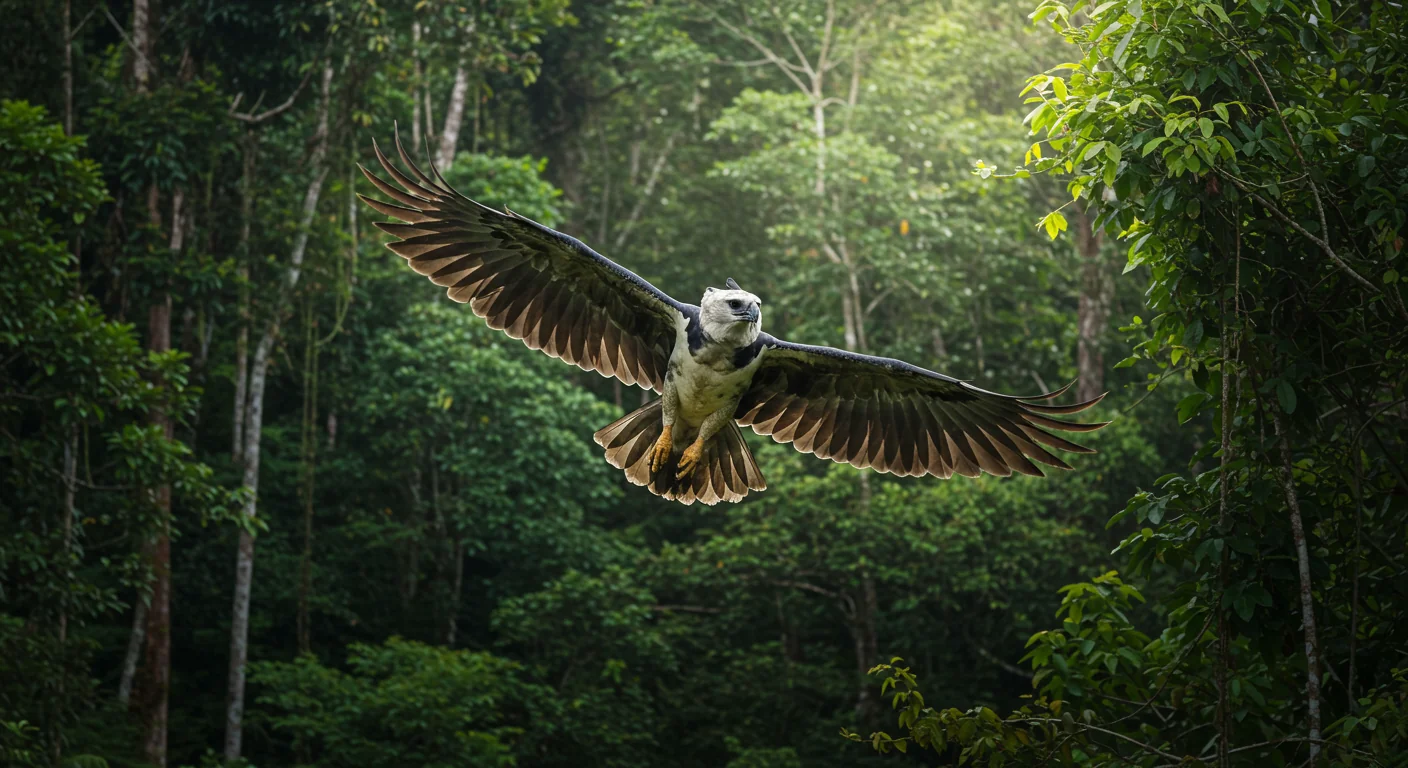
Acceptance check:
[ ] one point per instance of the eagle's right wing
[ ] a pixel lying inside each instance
(895, 417)
(540, 286)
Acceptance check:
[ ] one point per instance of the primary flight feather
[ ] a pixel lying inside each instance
(712, 365)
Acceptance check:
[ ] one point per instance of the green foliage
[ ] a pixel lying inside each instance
(75, 388)
(423, 477)
(18, 747)
(1238, 149)
(499, 182)
(398, 703)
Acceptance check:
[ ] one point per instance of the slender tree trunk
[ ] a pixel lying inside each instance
(456, 591)
(244, 557)
(864, 636)
(142, 41)
(68, 66)
(1307, 598)
(156, 667)
(1354, 591)
(1093, 313)
(135, 639)
(141, 77)
(417, 84)
(429, 118)
(254, 424)
(155, 683)
(454, 118)
(70, 476)
(1224, 628)
(250, 147)
(478, 105)
(410, 585)
(857, 305)
(819, 129)
(310, 457)
(70, 471)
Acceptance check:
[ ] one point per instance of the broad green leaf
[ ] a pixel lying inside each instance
(1286, 395)
(1153, 144)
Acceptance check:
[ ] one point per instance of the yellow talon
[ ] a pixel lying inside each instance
(689, 459)
(661, 454)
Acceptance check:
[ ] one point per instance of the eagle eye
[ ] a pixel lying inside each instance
(735, 304)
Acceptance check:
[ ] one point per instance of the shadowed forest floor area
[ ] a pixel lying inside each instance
(269, 498)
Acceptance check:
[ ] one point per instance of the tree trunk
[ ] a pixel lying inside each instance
(866, 644)
(70, 479)
(1307, 598)
(416, 85)
(456, 590)
(142, 42)
(410, 585)
(1224, 624)
(478, 105)
(68, 67)
(819, 128)
(244, 557)
(141, 77)
(1093, 314)
(254, 424)
(429, 118)
(310, 457)
(454, 118)
(155, 683)
(242, 275)
(70, 471)
(135, 639)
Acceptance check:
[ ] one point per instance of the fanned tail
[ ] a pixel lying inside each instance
(725, 472)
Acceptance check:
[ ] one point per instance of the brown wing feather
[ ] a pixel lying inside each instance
(537, 285)
(895, 417)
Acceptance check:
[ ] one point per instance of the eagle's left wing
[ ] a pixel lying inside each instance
(540, 286)
(895, 417)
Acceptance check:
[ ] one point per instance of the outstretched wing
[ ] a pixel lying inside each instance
(895, 417)
(540, 286)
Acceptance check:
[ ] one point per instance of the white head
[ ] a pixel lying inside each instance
(731, 314)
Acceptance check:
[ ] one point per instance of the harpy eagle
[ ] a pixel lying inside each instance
(712, 365)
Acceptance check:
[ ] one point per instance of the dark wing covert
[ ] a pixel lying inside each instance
(895, 417)
(537, 285)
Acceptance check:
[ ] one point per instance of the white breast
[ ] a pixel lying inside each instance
(703, 388)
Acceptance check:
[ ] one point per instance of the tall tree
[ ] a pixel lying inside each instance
(317, 166)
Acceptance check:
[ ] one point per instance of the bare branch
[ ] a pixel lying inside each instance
(805, 586)
(1146, 747)
(1322, 244)
(650, 181)
(1314, 188)
(123, 33)
(787, 67)
(73, 34)
(253, 119)
(821, 60)
(685, 609)
(753, 63)
(797, 49)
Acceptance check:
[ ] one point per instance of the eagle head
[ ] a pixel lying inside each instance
(731, 314)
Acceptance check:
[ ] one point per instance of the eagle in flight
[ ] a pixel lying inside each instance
(713, 366)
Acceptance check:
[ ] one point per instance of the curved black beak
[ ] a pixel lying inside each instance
(752, 313)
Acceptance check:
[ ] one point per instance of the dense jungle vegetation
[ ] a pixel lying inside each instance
(268, 498)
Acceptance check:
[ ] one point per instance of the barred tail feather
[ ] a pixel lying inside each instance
(726, 471)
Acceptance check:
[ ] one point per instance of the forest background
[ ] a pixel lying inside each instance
(269, 498)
